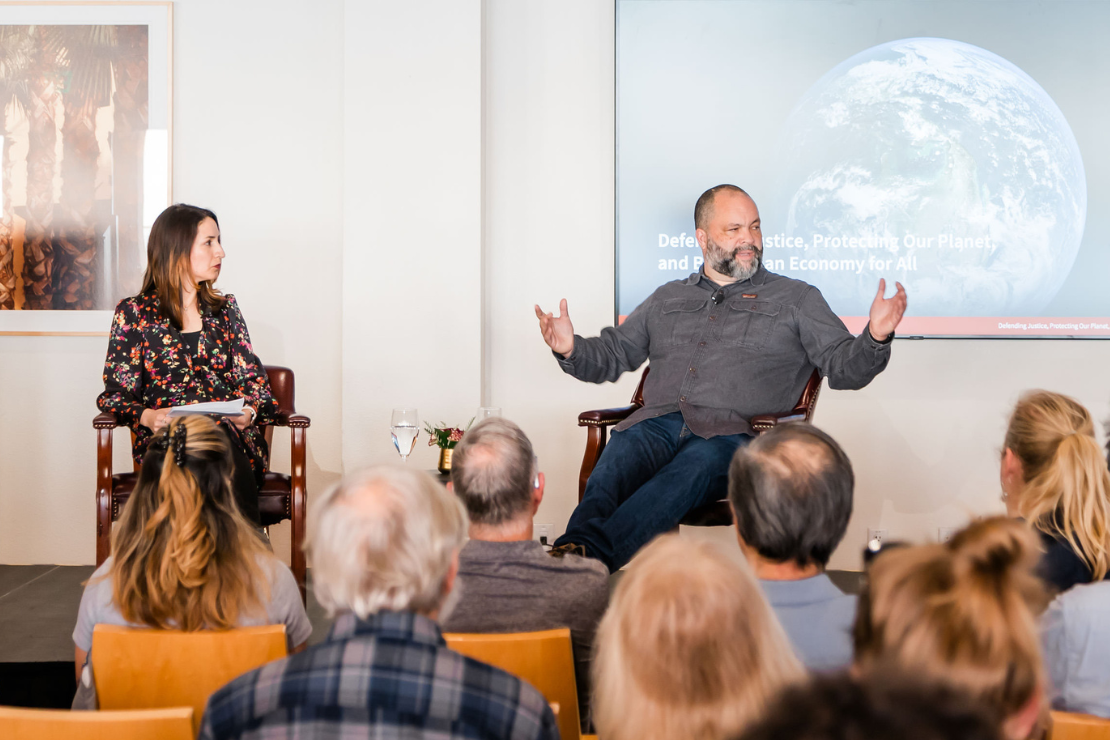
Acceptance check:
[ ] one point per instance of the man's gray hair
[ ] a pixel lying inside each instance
(492, 470)
(384, 539)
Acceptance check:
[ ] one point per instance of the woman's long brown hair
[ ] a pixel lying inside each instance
(962, 613)
(1067, 485)
(167, 262)
(183, 556)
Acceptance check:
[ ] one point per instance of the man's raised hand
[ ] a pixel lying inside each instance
(886, 312)
(557, 331)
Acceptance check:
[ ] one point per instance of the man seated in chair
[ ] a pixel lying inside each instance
(507, 583)
(384, 546)
(729, 342)
(791, 496)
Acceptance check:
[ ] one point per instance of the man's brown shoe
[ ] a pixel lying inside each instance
(568, 549)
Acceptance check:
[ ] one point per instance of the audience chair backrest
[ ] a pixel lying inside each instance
(543, 659)
(62, 724)
(1071, 726)
(154, 669)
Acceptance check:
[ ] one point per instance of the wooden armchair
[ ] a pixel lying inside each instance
(282, 496)
(716, 514)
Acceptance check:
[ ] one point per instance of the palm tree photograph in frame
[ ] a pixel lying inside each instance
(75, 115)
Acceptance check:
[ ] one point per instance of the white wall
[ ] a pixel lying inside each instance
(412, 249)
(398, 184)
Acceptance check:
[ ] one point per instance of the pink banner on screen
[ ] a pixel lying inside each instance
(987, 326)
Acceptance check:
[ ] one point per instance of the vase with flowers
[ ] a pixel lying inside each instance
(445, 438)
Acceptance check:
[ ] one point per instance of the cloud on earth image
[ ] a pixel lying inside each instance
(953, 161)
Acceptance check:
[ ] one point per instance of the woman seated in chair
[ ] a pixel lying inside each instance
(183, 556)
(180, 341)
(962, 614)
(1055, 477)
(689, 648)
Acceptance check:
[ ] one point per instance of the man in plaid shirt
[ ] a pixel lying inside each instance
(384, 551)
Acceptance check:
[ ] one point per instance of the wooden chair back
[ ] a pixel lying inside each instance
(1072, 726)
(62, 724)
(282, 496)
(543, 659)
(154, 669)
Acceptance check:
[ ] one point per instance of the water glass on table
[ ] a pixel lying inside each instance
(405, 427)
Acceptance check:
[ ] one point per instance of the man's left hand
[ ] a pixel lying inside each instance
(886, 313)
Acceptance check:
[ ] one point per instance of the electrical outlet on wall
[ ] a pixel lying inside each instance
(543, 533)
(945, 533)
(876, 534)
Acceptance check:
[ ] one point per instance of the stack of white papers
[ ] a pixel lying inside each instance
(220, 408)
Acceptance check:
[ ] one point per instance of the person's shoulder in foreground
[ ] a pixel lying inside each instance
(1074, 632)
(817, 617)
(391, 674)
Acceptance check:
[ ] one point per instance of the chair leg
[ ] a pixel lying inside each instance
(103, 495)
(595, 444)
(298, 509)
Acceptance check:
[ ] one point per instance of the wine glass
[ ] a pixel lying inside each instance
(486, 412)
(405, 427)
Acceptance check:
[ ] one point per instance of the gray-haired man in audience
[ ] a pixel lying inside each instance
(383, 545)
(507, 582)
(791, 495)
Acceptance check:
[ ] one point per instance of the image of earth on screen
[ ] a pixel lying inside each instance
(922, 142)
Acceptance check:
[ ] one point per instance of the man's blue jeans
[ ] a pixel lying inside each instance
(648, 477)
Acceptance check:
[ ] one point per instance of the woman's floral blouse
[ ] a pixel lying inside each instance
(149, 367)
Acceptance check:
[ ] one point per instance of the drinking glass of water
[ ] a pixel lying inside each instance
(405, 426)
(486, 412)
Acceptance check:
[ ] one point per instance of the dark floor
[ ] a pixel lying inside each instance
(38, 608)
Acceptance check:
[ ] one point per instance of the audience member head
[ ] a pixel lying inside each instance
(1054, 475)
(386, 538)
(881, 706)
(791, 495)
(169, 260)
(493, 472)
(963, 612)
(689, 647)
(182, 554)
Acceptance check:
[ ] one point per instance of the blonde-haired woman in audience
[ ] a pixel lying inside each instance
(962, 613)
(689, 648)
(183, 556)
(1055, 477)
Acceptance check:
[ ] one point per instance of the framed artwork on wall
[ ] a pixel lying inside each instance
(86, 131)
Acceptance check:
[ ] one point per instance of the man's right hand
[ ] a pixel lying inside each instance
(154, 419)
(557, 331)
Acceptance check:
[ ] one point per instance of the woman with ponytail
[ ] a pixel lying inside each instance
(183, 556)
(1055, 477)
(964, 614)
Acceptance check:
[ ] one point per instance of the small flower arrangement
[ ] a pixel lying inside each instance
(443, 436)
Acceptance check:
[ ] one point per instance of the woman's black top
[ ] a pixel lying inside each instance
(1060, 566)
(191, 340)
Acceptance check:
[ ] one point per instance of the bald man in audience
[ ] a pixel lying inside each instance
(507, 583)
(791, 497)
(383, 545)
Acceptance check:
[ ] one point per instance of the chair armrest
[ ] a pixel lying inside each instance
(292, 420)
(763, 422)
(105, 421)
(605, 417)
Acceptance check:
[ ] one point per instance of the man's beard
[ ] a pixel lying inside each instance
(726, 263)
